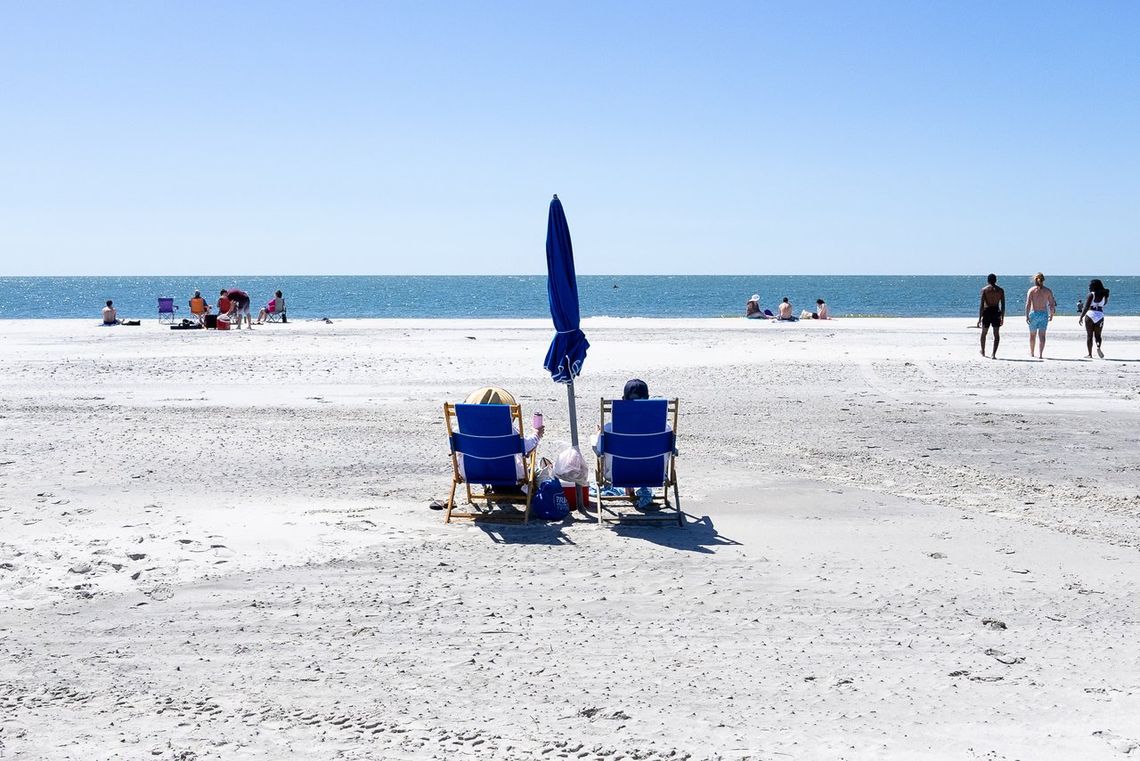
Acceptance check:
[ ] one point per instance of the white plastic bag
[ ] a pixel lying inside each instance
(570, 465)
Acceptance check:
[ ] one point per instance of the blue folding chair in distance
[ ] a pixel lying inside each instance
(638, 449)
(488, 450)
(166, 310)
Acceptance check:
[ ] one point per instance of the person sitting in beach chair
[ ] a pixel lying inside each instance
(199, 307)
(636, 448)
(274, 311)
(489, 450)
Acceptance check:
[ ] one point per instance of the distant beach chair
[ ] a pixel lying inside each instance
(486, 449)
(166, 310)
(638, 449)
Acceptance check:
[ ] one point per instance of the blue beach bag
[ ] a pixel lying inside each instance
(549, 502)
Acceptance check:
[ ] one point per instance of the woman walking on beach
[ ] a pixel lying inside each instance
(1092, 315)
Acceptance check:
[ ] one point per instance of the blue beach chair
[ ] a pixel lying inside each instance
(488, 450)
(166, 310)
(638, 449)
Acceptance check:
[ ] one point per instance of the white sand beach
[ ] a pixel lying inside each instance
(218, 546)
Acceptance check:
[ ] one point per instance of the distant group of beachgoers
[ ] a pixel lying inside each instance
(784, 313)
(1040, 308)
(232, 308)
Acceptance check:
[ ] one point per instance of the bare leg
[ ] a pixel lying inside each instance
(985, 332)
(1041, 353)
(1096, 334)
(997, 340)
(1033, 342)
(1089, 337)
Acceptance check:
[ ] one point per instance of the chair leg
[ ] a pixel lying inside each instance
(677, 502)
(450, 502)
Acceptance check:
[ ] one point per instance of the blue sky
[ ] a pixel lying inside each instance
(427, 137)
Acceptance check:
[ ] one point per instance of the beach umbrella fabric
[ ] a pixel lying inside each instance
(568, 349)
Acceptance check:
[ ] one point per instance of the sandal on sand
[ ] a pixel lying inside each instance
(437, 504)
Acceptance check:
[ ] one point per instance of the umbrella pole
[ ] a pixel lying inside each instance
(573, 413)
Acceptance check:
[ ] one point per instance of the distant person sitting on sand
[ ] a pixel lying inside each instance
(786, 311)
(110, 316)
(991, 312)
(1040, 306)
(275, 306)
(820, 312)
(752, 308)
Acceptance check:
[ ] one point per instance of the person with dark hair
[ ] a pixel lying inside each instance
(785, 308)
(635, 388)
(820, 312)
(991, 312)
(1092, 315)
(110, 317)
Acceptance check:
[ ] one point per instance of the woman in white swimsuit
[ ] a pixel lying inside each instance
(1092, 315)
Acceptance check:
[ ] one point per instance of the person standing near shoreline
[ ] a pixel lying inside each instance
(1092, 315)
(1040, 306)
(991, 312)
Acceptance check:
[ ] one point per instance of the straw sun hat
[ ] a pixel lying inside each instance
(490, 395)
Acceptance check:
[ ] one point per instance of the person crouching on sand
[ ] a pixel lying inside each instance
(1040, 306)
(820, 312)
(752, 308)
(786, 311)
(110, 316)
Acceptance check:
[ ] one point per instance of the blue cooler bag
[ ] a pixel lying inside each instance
(549, 502)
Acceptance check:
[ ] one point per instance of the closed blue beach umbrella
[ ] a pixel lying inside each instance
(568, 349)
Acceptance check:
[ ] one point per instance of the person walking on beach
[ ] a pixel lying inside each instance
(1040, 306)
(1092, 315)
(991, 312)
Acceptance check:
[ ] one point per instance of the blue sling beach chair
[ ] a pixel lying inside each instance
(637, 448)
(488, 450)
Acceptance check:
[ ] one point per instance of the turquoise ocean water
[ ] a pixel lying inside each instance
(475, 297)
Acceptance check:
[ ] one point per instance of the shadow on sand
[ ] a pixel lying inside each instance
(535, 532)
(698, 535)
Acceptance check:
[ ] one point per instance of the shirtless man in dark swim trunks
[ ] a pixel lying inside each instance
(991, 312)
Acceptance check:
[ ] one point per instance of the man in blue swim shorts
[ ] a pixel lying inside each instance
(1040, 306)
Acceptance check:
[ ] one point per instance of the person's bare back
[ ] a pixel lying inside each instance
(1040, 299)
(993, 295)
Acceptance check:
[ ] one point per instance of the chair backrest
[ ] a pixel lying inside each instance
(639, 441)
(197, 306)
(487, 437)
(165, 305)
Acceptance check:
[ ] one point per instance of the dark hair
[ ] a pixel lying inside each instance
(1097, 288)
(108, 302)
(991, 279)
(635, 388)
(278, 295)
(819, 301)
(785, 300)
(224, 292)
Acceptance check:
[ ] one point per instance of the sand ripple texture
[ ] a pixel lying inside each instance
(217, 546)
